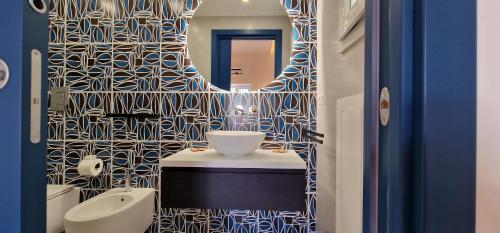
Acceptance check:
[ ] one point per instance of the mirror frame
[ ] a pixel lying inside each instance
(292, 16)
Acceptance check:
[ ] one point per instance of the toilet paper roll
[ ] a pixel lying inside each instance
(90, 166)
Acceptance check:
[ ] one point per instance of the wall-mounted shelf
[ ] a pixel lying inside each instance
(132, 115)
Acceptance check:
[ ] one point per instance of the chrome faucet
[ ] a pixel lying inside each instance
(127, 181)
(240, 110)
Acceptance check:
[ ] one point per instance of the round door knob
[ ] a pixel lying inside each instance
(4, 74)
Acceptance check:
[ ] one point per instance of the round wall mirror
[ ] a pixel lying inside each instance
(240, 45)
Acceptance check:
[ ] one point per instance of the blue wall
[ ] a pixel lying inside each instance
(23, 196)
(34, 160)
(10, 117)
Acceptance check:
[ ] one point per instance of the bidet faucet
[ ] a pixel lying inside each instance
(127, 181)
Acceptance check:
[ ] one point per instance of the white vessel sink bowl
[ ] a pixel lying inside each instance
(235, 144)
(113, 211)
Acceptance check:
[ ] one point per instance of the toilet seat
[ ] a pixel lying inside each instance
(54, 191)
(60, 198)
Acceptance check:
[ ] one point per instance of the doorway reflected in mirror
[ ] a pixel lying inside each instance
(252, 64)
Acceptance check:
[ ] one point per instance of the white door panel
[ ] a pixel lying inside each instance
(350, 164)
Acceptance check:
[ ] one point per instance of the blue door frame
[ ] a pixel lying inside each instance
(423, 163)
(445, 106)
(388, 59)
(221, 52)
(24, 165)
(371, 122)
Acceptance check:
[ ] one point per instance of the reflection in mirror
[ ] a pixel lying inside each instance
(240, 45)
(249, 59)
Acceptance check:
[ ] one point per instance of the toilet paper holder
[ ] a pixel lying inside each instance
(90, 165)
(92, 157)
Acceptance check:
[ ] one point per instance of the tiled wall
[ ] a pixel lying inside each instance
(130, 56)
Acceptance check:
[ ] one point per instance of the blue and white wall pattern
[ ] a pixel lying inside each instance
(128, 56)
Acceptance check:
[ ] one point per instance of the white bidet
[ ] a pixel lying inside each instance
(113, 211)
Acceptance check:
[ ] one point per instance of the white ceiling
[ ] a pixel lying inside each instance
(241, 8)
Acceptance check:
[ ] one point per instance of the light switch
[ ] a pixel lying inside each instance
(321, 99)
(59, 98)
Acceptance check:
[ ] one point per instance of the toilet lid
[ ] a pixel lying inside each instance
(57, 190)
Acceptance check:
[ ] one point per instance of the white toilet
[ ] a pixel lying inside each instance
(60, 198)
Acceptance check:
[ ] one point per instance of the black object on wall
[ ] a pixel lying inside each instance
(132, 115)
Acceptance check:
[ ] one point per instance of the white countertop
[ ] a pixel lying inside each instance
(265, 159)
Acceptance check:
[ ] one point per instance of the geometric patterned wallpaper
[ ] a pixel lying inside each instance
(130, 56)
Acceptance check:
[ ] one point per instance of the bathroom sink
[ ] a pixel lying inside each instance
(113, 211)
(235, 144)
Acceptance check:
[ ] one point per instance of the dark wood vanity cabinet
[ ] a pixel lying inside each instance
(233, 188)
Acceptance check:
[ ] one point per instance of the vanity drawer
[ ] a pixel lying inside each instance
(233, 188)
